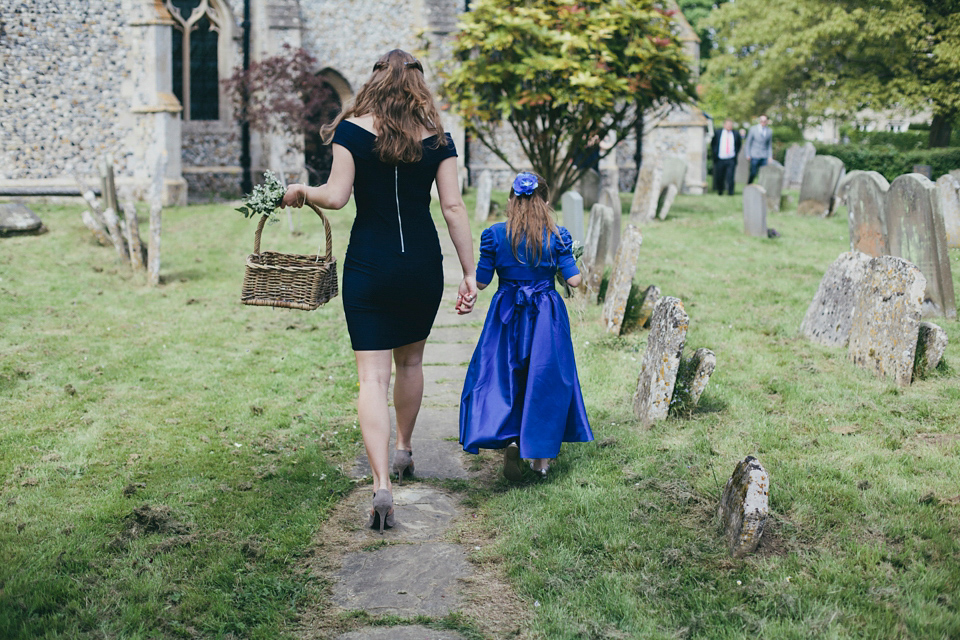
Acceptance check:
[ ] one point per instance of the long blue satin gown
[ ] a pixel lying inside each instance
(522, 383)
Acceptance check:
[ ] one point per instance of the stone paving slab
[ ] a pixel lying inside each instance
(448, 317)
(447, 353)
(403, 580)
(423, 514)
(449, 335)
(442, 386)
(415, 632)
(434, 459)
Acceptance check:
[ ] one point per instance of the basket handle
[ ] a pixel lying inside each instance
(326, 229)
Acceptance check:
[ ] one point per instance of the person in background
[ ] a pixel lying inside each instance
(759, 146)
(724, 147)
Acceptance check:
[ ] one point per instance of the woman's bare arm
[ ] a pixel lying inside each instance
(332, 195)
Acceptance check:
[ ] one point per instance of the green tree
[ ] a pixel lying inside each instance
(808, 58)
(697, 13)
(563, 76)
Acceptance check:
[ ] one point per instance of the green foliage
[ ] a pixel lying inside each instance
(811, 59)
(697, 12)
(265, 199)
(563, 76)
(889, 161)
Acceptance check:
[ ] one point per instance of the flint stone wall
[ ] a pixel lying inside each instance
(661, 361)
(829, 317)
(886, 318)
(744, 506)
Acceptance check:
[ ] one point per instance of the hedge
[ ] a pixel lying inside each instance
(890, 162)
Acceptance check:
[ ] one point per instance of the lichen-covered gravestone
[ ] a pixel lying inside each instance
(916, 233)
(650, 298)
(744, 506)
(661, 361)
(612, 220)
(17, 219)
(697, 372)
(610, 197)
(484, 187)
(830, 316)
(795, 162)
(770, 178)
(755, 211)
(595, 251)
(589, 188)
(865, 194)
(948, 192)
(931, 345)
(820, 179)
(666, 201)
(621, 279)
(646, 194)
(572, 205)
(886, 318)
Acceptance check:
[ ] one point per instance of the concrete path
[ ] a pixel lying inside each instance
(416, 568)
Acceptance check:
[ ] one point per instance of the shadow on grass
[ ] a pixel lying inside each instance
(631, 316)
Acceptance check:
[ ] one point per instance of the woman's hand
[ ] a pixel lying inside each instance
(296, 196)
(466, 295)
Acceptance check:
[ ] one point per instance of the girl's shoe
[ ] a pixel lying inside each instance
(511, 463)
(543, 467)
(382, 513)
(402, 463)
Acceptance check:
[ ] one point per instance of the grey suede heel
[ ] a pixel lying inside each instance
(382, 514)
(402, 463)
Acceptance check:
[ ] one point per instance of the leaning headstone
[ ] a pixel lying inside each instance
(612, 220)
(695, 374)
(924, 169)
(484, 188)
(650, 298)
(646, 194)
(742, 173)
(621, 279)
(955, 173)
(589, 187)
(572, 205)
(820, 179)
(595, 251)
(17, 219)
(795, 162)
(770, 178)
(755, 211)
(666, 201)
(916, 233)
(830, 316)
(661, 361)
(931, 344)
(744, 506)
(610, 197)
(948, 193)
(865, 194)
(674, 172)
(886, 318)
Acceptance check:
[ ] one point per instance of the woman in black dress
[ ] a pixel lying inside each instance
(389, 147)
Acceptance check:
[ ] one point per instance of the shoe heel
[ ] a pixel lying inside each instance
(382, 508)
(402, 463)
(511, 463)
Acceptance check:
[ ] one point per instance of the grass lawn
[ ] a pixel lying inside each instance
(167, 454)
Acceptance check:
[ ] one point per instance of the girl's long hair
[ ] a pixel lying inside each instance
(401, 103)
(530, 218)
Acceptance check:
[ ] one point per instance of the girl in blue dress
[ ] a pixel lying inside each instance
(521, 391)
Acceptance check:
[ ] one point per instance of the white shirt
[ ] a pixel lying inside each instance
(728, 146)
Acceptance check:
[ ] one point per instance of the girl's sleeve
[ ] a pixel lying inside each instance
(488, 251)
(566, 263)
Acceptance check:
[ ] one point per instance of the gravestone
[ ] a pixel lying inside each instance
(744, 506)
(931, 344)
(795, 162)
(742, 173)
(572, 205)
(646, 195)
(924, 169)
(621, 279)
(595, 251)
(886, 318)
(17, 219)
(835, 201)
(755, 211)
(948, 193)
(484, 187)
(830, 316)
(700, 368)
(661, 361)
(916, 233)
(612, 220)
(955, 173)
(610, 197)
(674, 172)
(589, 188)
(666, 201)
(865, 194)
(650, 298)
(820, 178)
(770, 178)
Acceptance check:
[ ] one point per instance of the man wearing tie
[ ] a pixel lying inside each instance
(725, 146)
(759, 146)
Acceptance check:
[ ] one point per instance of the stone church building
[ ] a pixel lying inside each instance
(141, 79)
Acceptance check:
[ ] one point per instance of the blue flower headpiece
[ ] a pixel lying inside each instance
(524, 184)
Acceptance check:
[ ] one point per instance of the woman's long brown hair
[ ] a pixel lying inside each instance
(528, 218)
(401, 103)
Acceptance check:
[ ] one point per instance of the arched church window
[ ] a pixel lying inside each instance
(196, 82)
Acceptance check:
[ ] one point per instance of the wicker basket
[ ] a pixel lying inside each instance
(287, 280)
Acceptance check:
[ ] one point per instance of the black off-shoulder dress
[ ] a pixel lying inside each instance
(393, 271)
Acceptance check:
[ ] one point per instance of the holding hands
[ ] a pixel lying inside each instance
(467, 295)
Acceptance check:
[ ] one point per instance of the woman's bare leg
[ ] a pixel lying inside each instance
(373, 370)
(408, 390)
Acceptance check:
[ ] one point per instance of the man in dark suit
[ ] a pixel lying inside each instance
(725, 146)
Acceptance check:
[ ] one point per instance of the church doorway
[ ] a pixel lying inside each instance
(318, 157)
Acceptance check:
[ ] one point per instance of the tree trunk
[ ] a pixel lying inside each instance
(940, 130)
(156, 207)
(133, 235)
